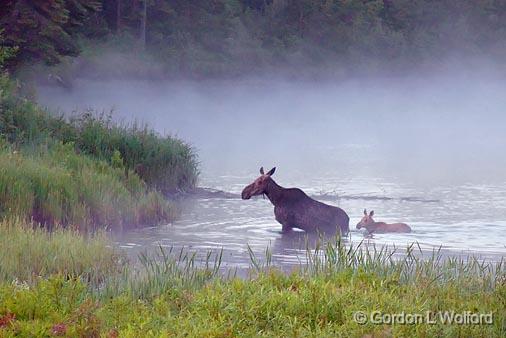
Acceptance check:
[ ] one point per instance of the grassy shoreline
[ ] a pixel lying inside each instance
(171, 296)
(86, 172)
(58, 187)
(29, 253)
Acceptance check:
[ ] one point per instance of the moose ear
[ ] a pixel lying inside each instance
(271, 171)
(371, 213)
(365, 212)
(261, 170)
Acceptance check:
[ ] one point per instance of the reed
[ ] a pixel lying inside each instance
(52, 185)
(162, 271)
(408, 266)
(176, 293)
(29, 254)
(165, 163)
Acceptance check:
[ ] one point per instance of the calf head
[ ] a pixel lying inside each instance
(259, 185)
(366, 221)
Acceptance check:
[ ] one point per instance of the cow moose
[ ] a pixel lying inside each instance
(294, 209)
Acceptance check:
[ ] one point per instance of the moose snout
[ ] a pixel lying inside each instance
(246, 194)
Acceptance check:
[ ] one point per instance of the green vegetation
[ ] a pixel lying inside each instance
(57, 186)
(233, 37)
(29, 254)
(86, 172)
(44, 30)
(165, 163)
(318, 300)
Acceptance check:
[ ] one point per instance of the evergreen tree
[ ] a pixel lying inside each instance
(43, 30)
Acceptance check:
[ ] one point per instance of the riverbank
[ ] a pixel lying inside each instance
(85, 171)
(29, 254)
(331, 296)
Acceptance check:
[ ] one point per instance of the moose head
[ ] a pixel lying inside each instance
(366, 220)
(259, 185)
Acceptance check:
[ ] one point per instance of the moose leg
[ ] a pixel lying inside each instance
(286, 228)
(343, 224)
(283, 219)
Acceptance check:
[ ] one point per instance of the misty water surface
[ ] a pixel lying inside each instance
(433, 146)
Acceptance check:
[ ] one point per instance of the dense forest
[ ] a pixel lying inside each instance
(241, 36)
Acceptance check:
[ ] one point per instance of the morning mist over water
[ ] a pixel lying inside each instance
(424, 128)
(426, 150)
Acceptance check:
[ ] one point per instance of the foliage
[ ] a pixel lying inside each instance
(165, 163)
(163, 272)
(87, 172)
(207, 38)
(29, 253)
(6, 52)
(43, 30)
(59, 187)
(309, 302)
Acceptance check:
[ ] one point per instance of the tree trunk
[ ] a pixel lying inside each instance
(301, 23)
(118, 16)
(143, 23)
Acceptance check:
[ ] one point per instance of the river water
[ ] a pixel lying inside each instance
(427, 152)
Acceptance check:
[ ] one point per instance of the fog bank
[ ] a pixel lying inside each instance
(420, 128)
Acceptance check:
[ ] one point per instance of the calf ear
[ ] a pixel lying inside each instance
(365, 212)
(271, 171)
(371, 213)
(261, 170)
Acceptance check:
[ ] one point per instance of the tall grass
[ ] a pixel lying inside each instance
(172, 295)
(166, 163)
(163, 162)
(409, 266)
(28, 253)
(54, 185)
(161, 272)
(86, 171)
(167, 268)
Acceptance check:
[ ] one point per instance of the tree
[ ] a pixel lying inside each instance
(118, 16)
(6, 53)
(42, 30)
(144, 13)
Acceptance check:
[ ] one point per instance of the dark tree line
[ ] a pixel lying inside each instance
(241, 33)
(45, 30)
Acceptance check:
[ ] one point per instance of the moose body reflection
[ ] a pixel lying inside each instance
(294, 209)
